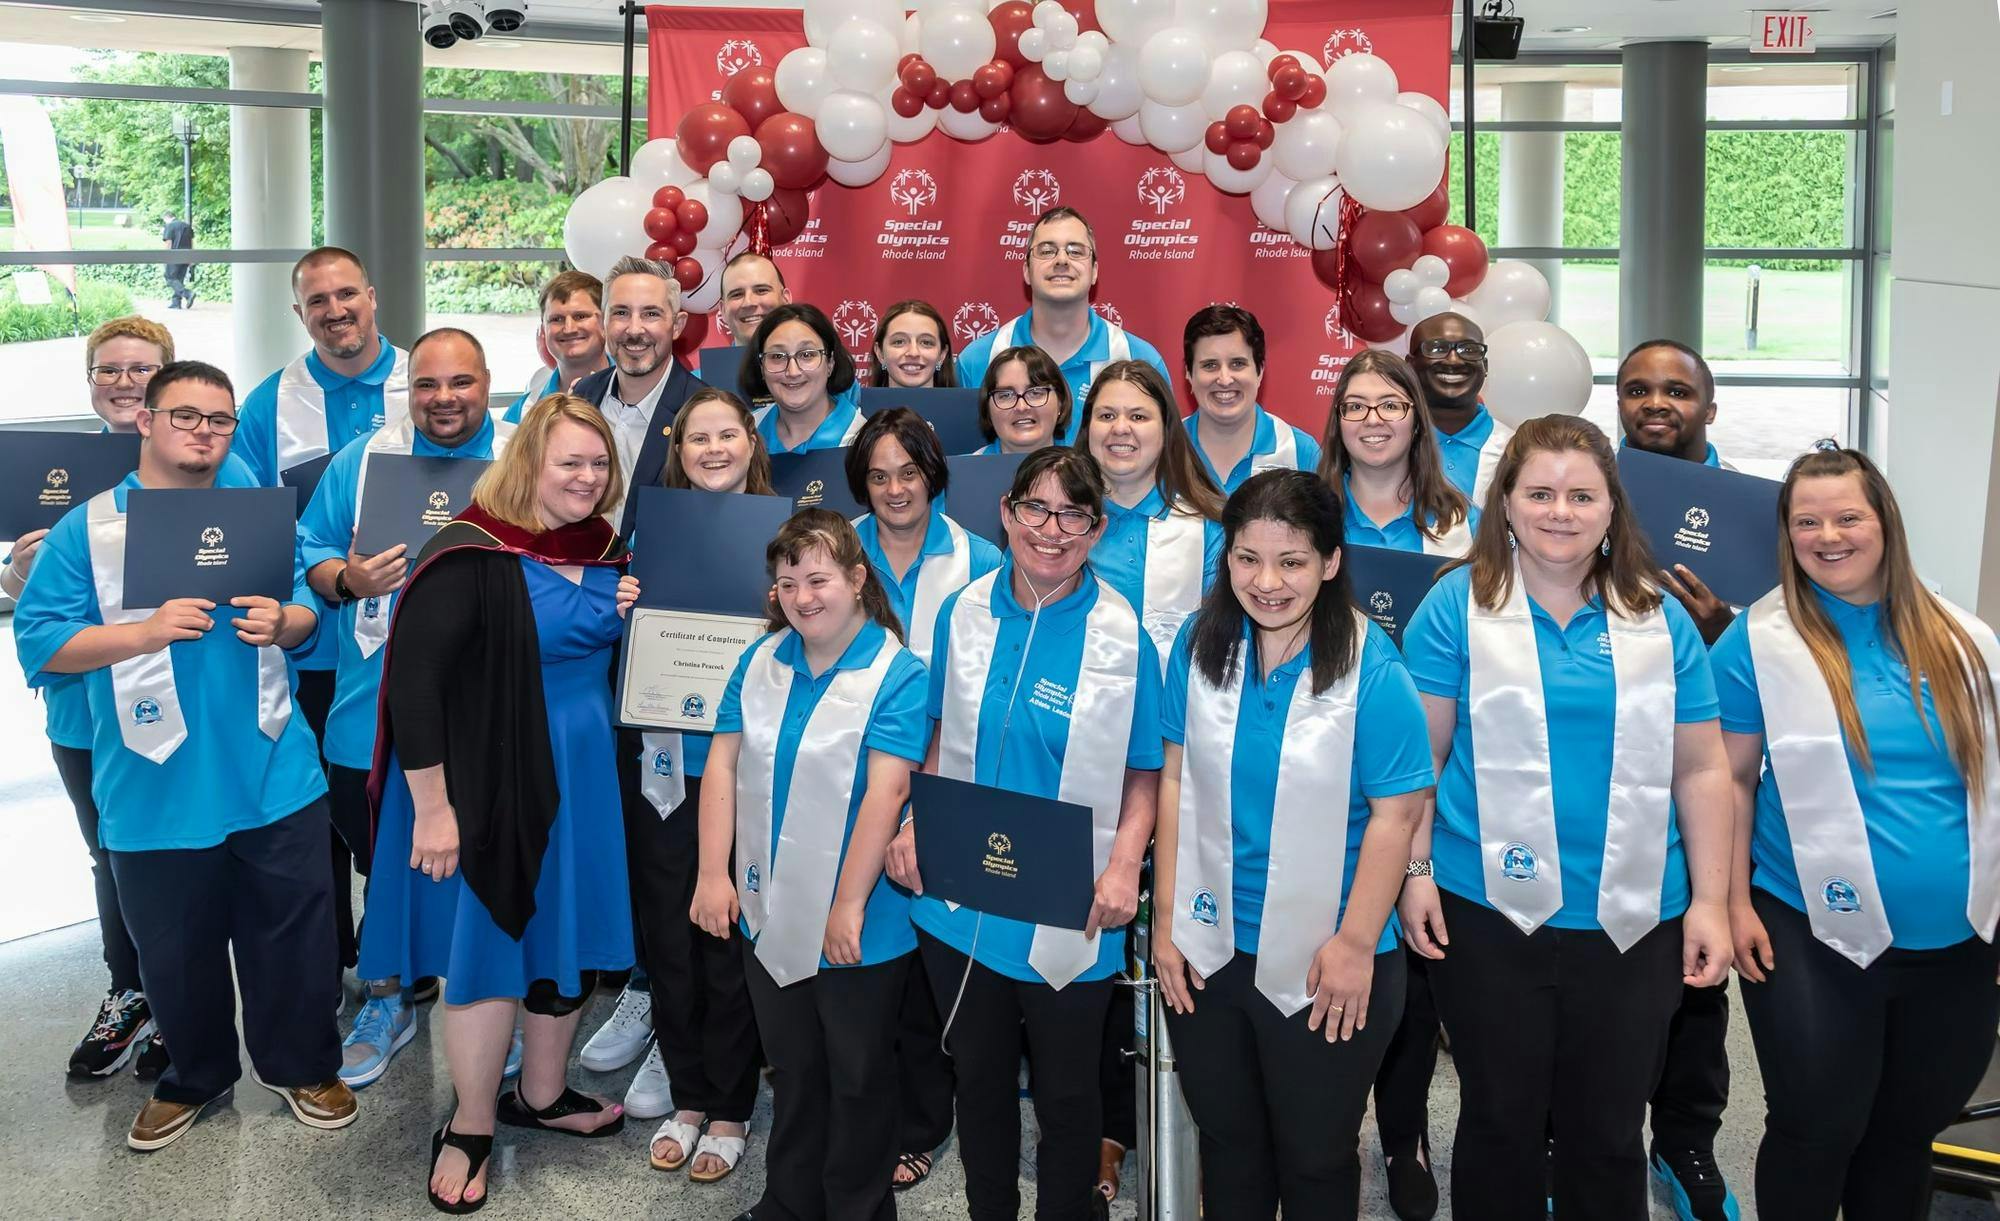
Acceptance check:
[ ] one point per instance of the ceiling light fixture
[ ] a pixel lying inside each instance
(1569, 29)
(97, 18)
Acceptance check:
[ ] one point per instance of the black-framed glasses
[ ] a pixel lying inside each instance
(807, 359)
(1388, 410)
(1469, 350)
(187, 419)
(1033, 396)
(108, 375)
(1034, 513)
(1046, 252)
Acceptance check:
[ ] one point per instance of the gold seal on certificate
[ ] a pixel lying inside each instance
(677, 664)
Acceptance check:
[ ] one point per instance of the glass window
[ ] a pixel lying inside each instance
(1583, 93)
(1787, 316)
(1811, 89)
(495, 301)
(1584, 301)
(1781, 188)
(1757, 429)
(503, 181)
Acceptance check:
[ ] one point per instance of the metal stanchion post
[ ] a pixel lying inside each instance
(1753, 290)
(1169, 1148)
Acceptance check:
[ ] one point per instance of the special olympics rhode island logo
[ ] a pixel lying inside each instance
(1694, 536)
(211, 553)
(1342, 43)
(973, 319)
(736, 54)
(1161, 187)
(440, 499)
(212, 536)
(1517, 861)
(1037, 190)
(913, 189)
(1697, 518)
(855, 320)
(58, 477)
(1203, 909)
(694, 708)
(1381, 602)
(55, 490)
(1109, 313)
(1336, 329)
(146, 712)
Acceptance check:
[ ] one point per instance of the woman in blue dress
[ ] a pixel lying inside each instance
(1024, 403)
(500, 850)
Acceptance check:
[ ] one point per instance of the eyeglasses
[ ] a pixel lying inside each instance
(1437, 349)
(1034, 513)
(108, 375)
(1046, 252)
(1033, 396)
(807, 359)
(187, 419)
(1388, 410)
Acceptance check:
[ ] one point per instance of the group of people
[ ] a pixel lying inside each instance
(1578, 793)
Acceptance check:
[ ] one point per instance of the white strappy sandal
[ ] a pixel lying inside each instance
(728, 1148)
(685, 1136)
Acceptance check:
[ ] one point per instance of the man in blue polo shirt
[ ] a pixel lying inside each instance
(1448, 353)
(571, 334)
(1060, 271)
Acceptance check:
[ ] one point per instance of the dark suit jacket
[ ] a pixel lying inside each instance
(653, 454)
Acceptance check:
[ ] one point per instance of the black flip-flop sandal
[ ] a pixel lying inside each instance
(919, 1166)
(515, 1113)
(476, 1150)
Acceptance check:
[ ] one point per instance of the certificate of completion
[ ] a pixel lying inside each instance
(677, 664)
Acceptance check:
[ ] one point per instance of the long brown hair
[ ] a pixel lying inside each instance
(1437, 503)
(758, 480)
(1181, 475)
(507, 489)
(811, 530)
(1624, 578)
(946, 373)
(1929, 640)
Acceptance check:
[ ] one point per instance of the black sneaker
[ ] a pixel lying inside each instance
(1694, 1184)
(123, 1021)
(1413, 1189)
(425, 990)
(153, 1059)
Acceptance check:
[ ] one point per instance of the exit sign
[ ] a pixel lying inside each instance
(1782, 33)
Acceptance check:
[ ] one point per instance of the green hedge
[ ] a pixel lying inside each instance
(210, 281)
(464, 215)
(96, 302)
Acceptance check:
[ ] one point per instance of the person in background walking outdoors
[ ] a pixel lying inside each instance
(178, 234)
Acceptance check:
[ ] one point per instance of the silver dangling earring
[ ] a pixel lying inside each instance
(1511, 544)
(1605, 546)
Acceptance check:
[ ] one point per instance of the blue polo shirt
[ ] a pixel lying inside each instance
(535, 393)
(1399, 534)
(1460, 450)
(1392, 755)
(1120, 556)
(324, 534)
(831, 433)
(1262, 445)
(1021, 744)
(1580, 691)
(1096, 350)
(902, 590)
(1712, 458)
(227, 776)
(1913, 802)
(353, 409)
(897, 725)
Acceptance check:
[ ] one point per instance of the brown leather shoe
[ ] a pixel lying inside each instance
(330, 1104)
(160, 1123)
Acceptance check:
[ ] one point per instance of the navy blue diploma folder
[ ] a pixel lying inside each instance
(720, 367)
(1388, 584)
(952, 410)
(407, 499)
(1722, 524)
(44, 475)
(305, 477)
(1002, 853)
(214, 543)
(704, 551)
(816, 480)
(978, 481)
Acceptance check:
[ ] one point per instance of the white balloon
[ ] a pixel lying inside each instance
(1173, 67)
(1118, 91)
(1265, 50)
(725, 178)
(968, 127)
(1044, 13)
(1312, 212)
(1235, 79)
(859, 173)
(1129, 130)
(657, 163)
(745, 153)
(851, 126)
(1307, 144)
(1085, 63)
(824, 18)
(1513, 291)
(1230, 180)
(1431, 271)
(1390, 156)
(1268, 200)
(1471, 314)
(1534, 369)
(709, 291)
(1134, 21)
(1228, 25)
(910, 37)
(1055, 65)
(912, 129)
(725, 215)
(1358, 79)
(1429, 107)
(606, 223)
(1172, 129)
(1033, 43)
(1189, 159)
(956, 41)
(925, 8)
(1405, 312)
(1094, 39)
(803, 80)
(862, 56)
(1063, 32)
(1401, 286)
(757, 185)
(1083, 93)
(1399, 343)
(1431, 301)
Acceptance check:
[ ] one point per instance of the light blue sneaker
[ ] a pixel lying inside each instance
(1694, 1185)
(513, 1068)
(383, 1026)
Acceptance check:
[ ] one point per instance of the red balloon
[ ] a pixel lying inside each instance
(1087, 125)
(693, 214)
(919, 77)
(661, 252)
(939, 97)
(1278, 107)
(1216, 138)
(1384, 242)
(904, 63)
(693, 335)
(1040, 111)
(682, 241)
(905, 103)
(995, 109)
(1085, 12)
(1010, 21)
(786, 214)
(1431, 213)
(792, 150)
(1326, 265)
(1315, 91)
(1290, 82)
(668, 197)
(705, 132)
(753, 93)
(1279, 63)
(1463, 252)
(688, 272)
(660, 224)
(1266, 134)
(1244, 154)
(964, 98)
(1242, 122)
(990, 80)
(1365, 312)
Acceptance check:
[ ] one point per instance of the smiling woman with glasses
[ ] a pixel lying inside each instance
(1024, 402)
(1381, 452)
(796, 363)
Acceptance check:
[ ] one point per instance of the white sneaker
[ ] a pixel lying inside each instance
(651, 1095)
(620, 1040)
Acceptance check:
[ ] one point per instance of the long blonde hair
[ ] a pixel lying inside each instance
(1929, 640)
(508, 488)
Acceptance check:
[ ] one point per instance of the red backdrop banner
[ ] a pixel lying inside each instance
(948, 221)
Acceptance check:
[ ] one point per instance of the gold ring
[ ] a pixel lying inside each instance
(1340, 1008)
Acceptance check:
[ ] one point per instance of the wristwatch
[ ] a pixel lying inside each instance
(1420, 869)
(340, 589)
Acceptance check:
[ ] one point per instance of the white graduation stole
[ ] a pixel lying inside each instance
(1308, 858)
(789, 921)
(1822, 810)
(1120, 347)
(1489, 461)
(1513, 783)
(662, 778)
(1284, 456)
(1175, 551)
(938, 578)
(1100, 727)
(1453, 543)
(301, 423)
(149, 706)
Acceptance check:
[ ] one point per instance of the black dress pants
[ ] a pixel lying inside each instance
(1403, 1085)
(1064, 1033)
(1553, 1033)
(1694, 1088)
(834, 1094)
(1278, 1106)
(261, 896)
(923, 1066)
(701, 1006)
(1862, 1068)
(73, 766)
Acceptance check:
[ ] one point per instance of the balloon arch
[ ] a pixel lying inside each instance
(1337, 157)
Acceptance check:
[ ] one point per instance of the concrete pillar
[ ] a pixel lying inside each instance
(1660, 236)
(375, 150)
(1531, 177)
(270, 207)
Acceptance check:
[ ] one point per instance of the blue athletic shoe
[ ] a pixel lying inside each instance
(383, 1026)
(1694, 1185)
(513, 1068)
